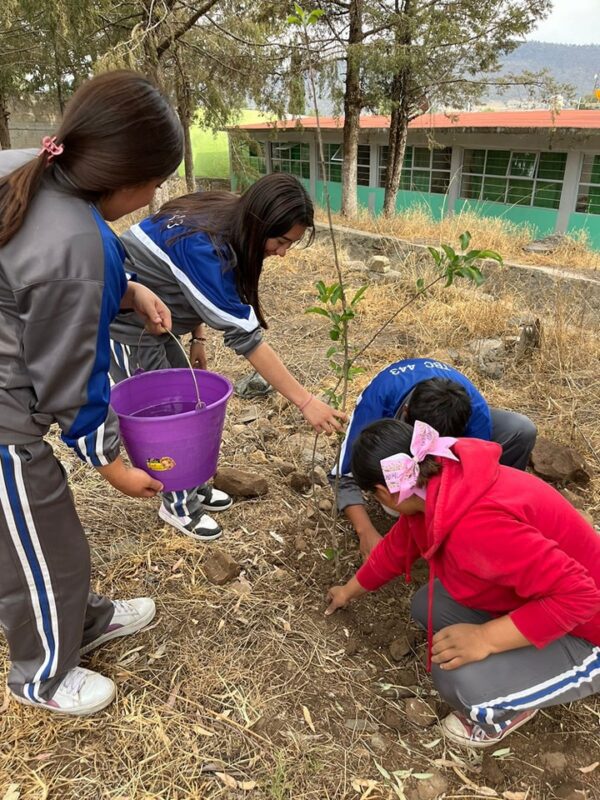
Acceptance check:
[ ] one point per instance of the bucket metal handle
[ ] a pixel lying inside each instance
(200, 404)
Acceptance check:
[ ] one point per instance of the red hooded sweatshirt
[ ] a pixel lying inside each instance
(502, 541)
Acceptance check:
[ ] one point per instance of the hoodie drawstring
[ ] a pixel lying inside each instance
(430, 613)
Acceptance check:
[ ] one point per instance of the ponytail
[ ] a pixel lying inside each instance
(118, 130)
(16, 193)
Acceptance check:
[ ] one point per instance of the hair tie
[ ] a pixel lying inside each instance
(49, 146)
(401, 472)
(305, 403)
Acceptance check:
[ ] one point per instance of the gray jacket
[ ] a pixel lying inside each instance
(61, 284)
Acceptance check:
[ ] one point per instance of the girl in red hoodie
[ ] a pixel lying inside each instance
(513, 603)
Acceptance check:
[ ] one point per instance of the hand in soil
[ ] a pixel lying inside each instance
(337, 597)
(460, 644)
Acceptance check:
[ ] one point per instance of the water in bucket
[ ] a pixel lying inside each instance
(164, 431)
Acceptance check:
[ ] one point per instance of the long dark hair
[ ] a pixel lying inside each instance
(118, 130)
(267, 209)
(381, 439)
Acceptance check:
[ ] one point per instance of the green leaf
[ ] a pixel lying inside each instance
(334, 334)
(336, 293)
(464, 239)
(359, 295)
(292, 20)
(491, 254)
(299, 10)
(317, 310)
(450, 252)
(315, 15)
(333, 349)
(420, 284)
(329, 553)
(435, 254)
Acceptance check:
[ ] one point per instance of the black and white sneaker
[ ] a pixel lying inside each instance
(201, 527)
(212, 499)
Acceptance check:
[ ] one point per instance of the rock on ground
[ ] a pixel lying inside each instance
(300, 482)
(555, 762)
(432, 788)
(558, 463)
(239, 483)
(379, 264)
(489, 356)
(419, 712)
(400, 648)
(220, 567)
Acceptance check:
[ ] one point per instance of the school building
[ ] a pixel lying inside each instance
(538, 167)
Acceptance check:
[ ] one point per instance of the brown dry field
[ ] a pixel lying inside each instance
(495, 233)
(246, 690)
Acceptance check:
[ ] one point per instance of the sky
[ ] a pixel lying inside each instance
(571, 22)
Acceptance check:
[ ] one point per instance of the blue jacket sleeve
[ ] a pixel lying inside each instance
(209, 285)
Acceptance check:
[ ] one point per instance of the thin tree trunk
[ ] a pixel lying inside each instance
(396, 149)
(4, 117)
(352, 109)
(401, 104)
(186, 114)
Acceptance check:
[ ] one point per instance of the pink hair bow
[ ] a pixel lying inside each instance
(49, 146)
(401, 472)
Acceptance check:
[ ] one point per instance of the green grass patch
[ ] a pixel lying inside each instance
(211, 151)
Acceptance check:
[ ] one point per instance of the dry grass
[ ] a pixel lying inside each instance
(218, 698)
(417, 225)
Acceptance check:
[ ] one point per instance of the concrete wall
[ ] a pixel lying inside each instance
(28, 133)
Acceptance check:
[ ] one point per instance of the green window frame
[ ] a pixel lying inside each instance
(253, 153)
(334, 158)
(424, 169)
(291, 157)
(588, 194)
(514, 177)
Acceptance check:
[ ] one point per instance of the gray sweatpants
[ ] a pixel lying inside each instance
(516, 433)
(47, 612)
(493, 691)
(153, 354)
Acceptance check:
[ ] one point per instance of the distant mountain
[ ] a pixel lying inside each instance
(568, 63)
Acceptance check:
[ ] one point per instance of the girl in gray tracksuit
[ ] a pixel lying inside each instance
(61, 283)
(203, 255)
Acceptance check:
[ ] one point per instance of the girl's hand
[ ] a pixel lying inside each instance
(337, 597)
(133, 482)
(323, 417)
(148, 306)
(198, 355)
(457, 645)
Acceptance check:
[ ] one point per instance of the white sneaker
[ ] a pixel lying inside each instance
(463, 731)
(130, 616)
(214, 500)
(202, 527)
(80, 692)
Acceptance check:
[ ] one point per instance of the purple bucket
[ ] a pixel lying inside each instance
(164, 433)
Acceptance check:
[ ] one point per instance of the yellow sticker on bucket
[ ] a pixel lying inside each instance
(160, 464)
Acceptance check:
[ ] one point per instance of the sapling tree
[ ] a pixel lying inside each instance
(332, 299)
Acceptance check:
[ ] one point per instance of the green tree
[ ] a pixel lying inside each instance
(402, 57)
